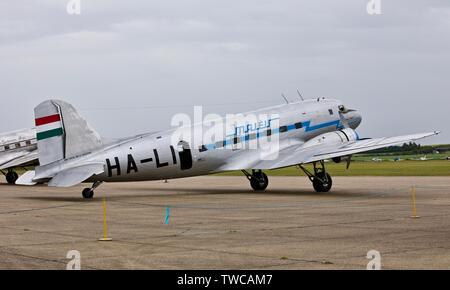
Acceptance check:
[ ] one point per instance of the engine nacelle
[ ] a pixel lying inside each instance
(337, 137)
(337, 159)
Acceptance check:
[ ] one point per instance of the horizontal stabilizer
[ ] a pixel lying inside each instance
(26, 178)
(76, 175)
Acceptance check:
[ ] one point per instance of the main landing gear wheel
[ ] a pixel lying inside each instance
(258, 180)
(322, 182)
(11, 177)
(320, 179)
(88, 193)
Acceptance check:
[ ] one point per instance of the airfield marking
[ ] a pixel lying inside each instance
(105, 225)
(166, 221)
(413, 196)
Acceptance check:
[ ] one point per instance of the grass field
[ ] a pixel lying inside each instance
(388, 168)
(391, 157)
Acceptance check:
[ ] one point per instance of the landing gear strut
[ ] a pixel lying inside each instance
(321, 180)
(258, 179)
(89, 192)
(11, 177)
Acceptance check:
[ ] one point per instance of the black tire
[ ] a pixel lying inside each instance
(11, 177)
(259, 181)
(88, 193)
(319, 185)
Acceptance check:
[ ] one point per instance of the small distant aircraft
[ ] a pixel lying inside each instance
(423, 158)
(17, 149)
(309, 131)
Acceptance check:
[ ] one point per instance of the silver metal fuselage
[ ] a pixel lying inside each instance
(154, 157)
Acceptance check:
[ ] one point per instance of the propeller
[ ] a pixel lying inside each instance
(349, 160)
(344, 121)
(343, 110)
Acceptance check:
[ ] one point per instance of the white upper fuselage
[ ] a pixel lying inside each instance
(158, 156)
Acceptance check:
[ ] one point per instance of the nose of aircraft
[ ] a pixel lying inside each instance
(353, 119)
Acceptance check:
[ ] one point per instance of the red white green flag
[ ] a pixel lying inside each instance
(48, 127)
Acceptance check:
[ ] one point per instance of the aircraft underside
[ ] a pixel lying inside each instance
(259, 181)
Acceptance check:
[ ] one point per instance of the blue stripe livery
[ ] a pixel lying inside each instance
(306, 125)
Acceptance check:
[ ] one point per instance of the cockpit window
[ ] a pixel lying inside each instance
(330, 111)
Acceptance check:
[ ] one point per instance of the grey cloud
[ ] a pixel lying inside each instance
(157, 58)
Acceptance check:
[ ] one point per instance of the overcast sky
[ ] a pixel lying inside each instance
(128, 66)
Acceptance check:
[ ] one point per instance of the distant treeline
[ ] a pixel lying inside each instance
(413, 148)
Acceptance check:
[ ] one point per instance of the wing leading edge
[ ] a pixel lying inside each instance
(24, 158)
(303, 155)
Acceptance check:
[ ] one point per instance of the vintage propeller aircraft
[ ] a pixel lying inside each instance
(309, 131)
(17, 149)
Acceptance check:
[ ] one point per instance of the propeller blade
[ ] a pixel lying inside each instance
(349, 160)
(344, 121)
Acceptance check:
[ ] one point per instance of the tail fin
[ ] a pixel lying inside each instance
(62, 133)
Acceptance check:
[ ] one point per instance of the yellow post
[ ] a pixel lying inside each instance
(105, 226)
(413, 196)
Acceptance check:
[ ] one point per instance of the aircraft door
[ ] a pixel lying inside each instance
(184, 151)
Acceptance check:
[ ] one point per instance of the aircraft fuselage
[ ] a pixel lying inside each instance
(156, 157)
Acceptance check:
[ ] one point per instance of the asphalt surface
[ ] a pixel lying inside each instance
(219, 223)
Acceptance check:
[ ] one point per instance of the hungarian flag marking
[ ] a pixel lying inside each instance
(48, 127)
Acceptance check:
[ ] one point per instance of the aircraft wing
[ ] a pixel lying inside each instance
(319, 152)
(19, 159)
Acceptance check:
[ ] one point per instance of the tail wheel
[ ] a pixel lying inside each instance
(88, 193)
(11, 177)
(259, 181)
(322, 182)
